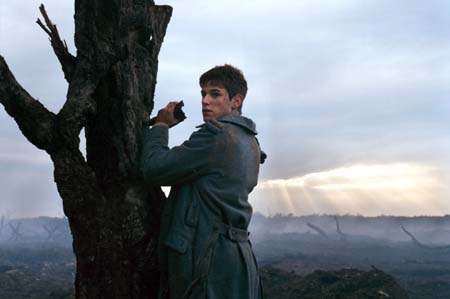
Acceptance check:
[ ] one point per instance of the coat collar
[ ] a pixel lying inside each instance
(240, 121)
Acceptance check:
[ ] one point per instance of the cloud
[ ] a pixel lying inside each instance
(370, 189)
(399, 176)
(331, 84)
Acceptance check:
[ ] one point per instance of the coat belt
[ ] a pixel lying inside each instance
(233, 233)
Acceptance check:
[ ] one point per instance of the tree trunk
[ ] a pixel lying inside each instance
(113, 216)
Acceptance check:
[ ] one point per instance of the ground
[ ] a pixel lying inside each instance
(39, 263)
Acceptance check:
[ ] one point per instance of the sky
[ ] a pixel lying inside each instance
(350, 99)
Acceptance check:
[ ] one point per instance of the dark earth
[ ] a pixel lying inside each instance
(296, 260)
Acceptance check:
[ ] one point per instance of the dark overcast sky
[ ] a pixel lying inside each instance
(350, 98)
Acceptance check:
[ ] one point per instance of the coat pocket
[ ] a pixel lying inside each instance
(176, 241)
(192, 214)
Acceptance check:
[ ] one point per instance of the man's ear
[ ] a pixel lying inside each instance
(236, 101)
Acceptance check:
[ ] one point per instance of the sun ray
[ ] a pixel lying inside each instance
(368, 189)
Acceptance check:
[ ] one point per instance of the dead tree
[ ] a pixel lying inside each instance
(113, 217)
(16, 234)
(51, 230)
(342, 236)
(317, 229)
(421, 245)
(2, 225)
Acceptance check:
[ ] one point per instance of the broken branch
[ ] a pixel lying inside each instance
(338, 229)
(317, 229)
(419, 244)
(33, 119)
(66, 59)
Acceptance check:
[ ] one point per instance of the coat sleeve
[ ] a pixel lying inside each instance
(162, 166)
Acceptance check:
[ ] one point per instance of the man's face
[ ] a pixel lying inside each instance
(215, 102)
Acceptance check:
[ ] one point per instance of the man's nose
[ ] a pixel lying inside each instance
(205, 100)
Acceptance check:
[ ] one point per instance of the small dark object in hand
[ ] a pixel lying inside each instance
(177, 113)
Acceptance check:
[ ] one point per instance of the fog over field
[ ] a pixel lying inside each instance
(36, 255)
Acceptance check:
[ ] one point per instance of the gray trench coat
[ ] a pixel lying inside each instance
(204, 249)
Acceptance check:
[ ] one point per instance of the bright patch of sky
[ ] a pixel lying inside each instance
(394, 189)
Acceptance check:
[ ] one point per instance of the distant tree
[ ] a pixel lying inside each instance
(2, 225)
(52, 230)
(419, 244)
(16, 234)
(342, 236)
(114, 220)
(318, 230)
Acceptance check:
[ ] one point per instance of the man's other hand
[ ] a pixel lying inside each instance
(166, 116)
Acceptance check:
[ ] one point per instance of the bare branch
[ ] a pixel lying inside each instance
(56, 134)
(16, 234)
(419, 244)
(51, 230)
(33, 119)
(338, 229)
(66, 59)
(43, 27)
(317, 229)
(2, 225)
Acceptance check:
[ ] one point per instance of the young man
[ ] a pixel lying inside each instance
(204, 250)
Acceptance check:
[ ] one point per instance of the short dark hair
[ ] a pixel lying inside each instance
(228, 76)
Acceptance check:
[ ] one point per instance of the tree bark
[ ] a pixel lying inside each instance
(113, 216)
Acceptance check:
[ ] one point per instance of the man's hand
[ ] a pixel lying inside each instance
(165, 115)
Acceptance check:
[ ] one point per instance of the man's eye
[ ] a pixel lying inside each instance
(203, 94)
(215, 94)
